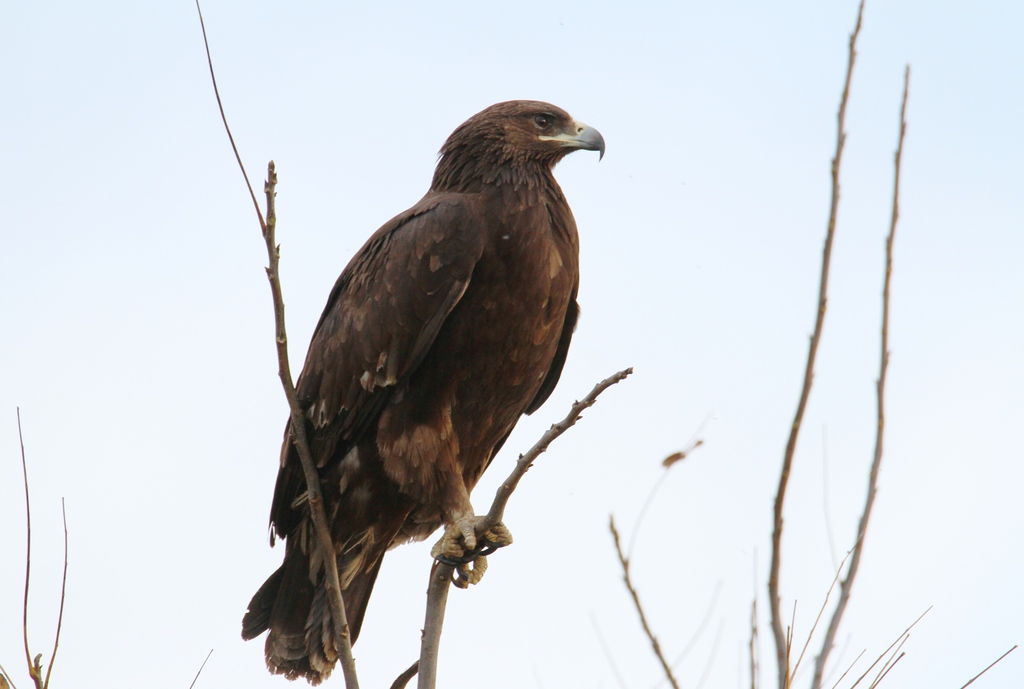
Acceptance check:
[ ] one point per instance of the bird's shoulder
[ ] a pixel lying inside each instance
(389, 303)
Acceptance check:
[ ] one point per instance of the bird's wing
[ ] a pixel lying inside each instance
(381, 318)
(572, 314)
(387, 307)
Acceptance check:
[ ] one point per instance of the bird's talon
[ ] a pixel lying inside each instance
(466, 575)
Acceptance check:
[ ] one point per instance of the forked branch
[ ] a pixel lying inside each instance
(441, 574)
(35, 666)
(781, 646)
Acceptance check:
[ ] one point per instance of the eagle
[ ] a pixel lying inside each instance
(451, 322)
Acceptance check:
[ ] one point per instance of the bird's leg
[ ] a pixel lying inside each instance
(462, 544)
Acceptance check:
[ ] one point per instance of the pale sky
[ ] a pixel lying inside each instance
(138, 333)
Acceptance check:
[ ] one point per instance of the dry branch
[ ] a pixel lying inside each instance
(639, 608)
(441, 574)
(781, 648)
(990, 666)
(403, 679)
(876, 463)
(298, 428)
(35, 667)
(200, 671)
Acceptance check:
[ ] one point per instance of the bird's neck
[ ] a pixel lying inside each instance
(466, 174)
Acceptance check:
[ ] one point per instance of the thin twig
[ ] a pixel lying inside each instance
(821, 611)
(5, 679)
(607, 653)
(787, 463)
(639, 608)
(699, 632)
(704, 676)
(876, 463)
(824, 495)
(342, 638)
(504, 491)
(855, 661)
(897, 654)
(33, 667)
(441, 574)
(753, 644)
(196, 678)
(886, 670)
(899, 640)
(668, 462)
(403, 679)
(223, 117)
(989, 667)
(63, 590)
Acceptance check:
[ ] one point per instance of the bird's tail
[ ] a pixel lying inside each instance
(301, 642)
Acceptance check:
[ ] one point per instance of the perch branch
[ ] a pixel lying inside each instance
(298, 432)
(858, 548)
(787, 463)
(639, 608)
(504, 492)
(441, 574)
(298, 429)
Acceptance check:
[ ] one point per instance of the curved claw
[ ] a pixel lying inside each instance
(451, 552)
(466, 575)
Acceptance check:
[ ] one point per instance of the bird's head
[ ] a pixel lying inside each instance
(511, 142)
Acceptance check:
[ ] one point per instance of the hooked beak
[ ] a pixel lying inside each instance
(583, 137)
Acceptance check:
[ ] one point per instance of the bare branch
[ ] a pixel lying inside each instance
(787, 463)
(437, 601)
(699, 632)
(607, 653)
(821, 611)
(885, 671)
(711, 658)
(224, 119)
(824, 499)
(298, 429)
(63, 590)
(899, 640)
(33, 667)
(639, 608)
(196, 678)
(403, 679)
(989, 667)
(441, 574)
(876, 463)
(855, 661)
(5, 679)
(504, 492)
(753, 644)
(342, 639)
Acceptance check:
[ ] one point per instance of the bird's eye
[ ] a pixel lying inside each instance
(542, 121)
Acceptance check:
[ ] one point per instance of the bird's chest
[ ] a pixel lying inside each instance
(502, 336)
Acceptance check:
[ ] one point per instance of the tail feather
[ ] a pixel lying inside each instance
(301, 642)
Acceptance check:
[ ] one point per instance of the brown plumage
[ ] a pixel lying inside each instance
(451, 322)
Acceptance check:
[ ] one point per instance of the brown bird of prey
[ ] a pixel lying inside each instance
(451, 322)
